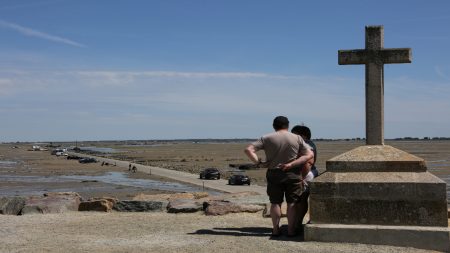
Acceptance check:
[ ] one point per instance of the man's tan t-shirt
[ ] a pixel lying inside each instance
(280, 147)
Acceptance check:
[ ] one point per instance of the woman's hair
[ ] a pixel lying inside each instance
(302, 130)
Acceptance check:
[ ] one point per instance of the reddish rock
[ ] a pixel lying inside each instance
(55, 202)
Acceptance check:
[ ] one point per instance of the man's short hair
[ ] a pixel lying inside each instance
(302, 130)
(280, 122)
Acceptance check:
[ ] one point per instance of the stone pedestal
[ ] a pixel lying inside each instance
(379, 195)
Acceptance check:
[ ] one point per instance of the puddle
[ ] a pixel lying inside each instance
(7, 164)
(111, 181)
(119, 178)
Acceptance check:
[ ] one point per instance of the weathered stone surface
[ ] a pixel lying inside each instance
(11, 205)
(430, 238)
(376, 158)
(33, 209)
(98, 204)
(374, 56)
(184, 206)
(140, 206)
(397, 198)
(57, 202)
(225, 207)
(357, 190)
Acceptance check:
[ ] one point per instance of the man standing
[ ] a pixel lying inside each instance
(285, 152)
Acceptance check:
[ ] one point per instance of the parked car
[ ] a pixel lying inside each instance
(210, 173)
(57, 151)
(87, 160)
(239, 179)
(73, 157)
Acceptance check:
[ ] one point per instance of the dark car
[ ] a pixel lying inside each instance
(73, 157)
(239, 179)
(210, 173)
(87, 160)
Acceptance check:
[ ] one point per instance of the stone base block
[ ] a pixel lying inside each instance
(376, 158)
(379, 198)
(430, 238)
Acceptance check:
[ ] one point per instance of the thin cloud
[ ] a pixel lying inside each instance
(441, 73)
(179, 74)
(35, 33)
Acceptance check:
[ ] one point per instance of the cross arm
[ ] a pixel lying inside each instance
(396, 55)
(346, 57)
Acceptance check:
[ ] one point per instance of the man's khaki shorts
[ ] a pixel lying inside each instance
(282, 185)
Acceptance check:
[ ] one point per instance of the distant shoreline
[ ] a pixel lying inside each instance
(235, 140)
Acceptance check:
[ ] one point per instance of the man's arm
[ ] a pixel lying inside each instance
(300, 160)
(250, 151)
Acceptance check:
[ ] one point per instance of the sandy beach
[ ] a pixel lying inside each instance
(157, 232)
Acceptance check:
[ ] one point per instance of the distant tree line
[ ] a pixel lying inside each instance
(237, 140)
(424, 138)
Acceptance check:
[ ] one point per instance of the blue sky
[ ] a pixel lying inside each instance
(143, 69)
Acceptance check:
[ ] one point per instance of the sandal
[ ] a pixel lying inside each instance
(276, 234)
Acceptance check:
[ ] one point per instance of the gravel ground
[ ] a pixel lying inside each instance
(156, 232)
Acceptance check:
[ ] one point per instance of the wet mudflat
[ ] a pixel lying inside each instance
(193, 157)
(107, 183)
(26, 172)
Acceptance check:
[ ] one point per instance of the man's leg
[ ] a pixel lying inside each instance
(292, 218)
(302, 209)
(275, 214)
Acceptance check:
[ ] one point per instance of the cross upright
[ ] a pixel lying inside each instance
(374, 56)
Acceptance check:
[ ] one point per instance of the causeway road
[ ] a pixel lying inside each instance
(219, 185)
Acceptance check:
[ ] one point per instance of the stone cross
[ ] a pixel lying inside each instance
(374, 56)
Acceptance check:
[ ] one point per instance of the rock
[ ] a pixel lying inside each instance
(266, 212)
(200, 195)
(225, 207)
(184, 206)
(98, 204)
(32, 210)
(140, 206)
(11, 205)
(55, 202)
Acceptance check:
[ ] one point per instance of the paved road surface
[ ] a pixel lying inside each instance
(220, 185)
